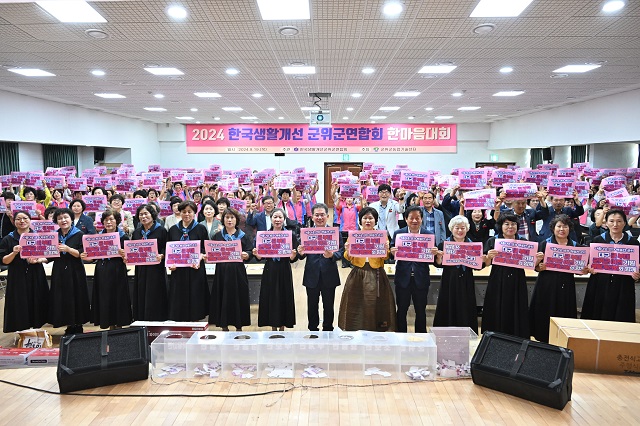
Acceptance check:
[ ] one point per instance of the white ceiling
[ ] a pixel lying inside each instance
(342, 37)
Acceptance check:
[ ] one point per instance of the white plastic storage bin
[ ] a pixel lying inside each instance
(346, 355)
(204, 355)
(418, 355)
(312, 354)
(381, 355)
(169, 355)
(240, 355)
(276, 354)
(455, 349)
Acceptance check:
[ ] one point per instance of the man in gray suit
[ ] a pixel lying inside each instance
(387, 209)
(432, 218)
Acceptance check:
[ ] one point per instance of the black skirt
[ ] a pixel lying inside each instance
(277, 306)
(505, 302)
(610, 298)
(553, 296)
(150, 302)
(229, 304)
(457, 299)
(110, 300)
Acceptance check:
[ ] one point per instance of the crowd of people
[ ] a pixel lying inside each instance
(368, 300)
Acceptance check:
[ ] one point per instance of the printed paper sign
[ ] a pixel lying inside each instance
(614, 259)
(95, 203)
(77, 184)
(382, 178)
(240, 205)
(519, 191)
(56, 182)
(126, 184)
(472, 178)
(141, 252)
(350, 191)
(620, 192)
(415, 247)
(372, 194)
(580, 166)
(368, 243)
(501, 176)
(42, 226)
(34, 179)
(90, 175)
(612, 183)
(25, 206)
(304, 184)
(447, 181)
(567, 172)
(480, 199)
(101, 246)
(243, 176)
(131, 204)
(411, 180)
(211, 175)
(464, 254)
(582, 188)
(317, 240)
(228, 185)
(223, 251)
(17, 178)
(193, 179)
(340, 173)
(154, 167)
(565, 258)
(633, 173)
(274, 243)
(39, 245)
(630, 205)
(261, 178)
(182, 254)
(539, 177)
(165, 208)
(152, 180)
(551, 167)
(3, 206)
(105, 182)
(177, 175)
(561, 186)
(516, 253)
(284, 182)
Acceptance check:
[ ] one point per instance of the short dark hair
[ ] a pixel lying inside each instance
(384, 187)
(152, 190)
(224, 200)
(95, 188)
(183, 205)
(113, 213)
(234, 213)
(505, 217)
(283, 190)
(8, 195)
(148, 207)
(366, 211)
(322, 206)
(618, 212)
(60, 212)
(562, 218)
(429, 193)
(49, 210)
(593, 213)
(174, 200)
(413, 209)
(17, 212)
(177, 183)
(267, 198)
(196, 192)
(116, 197)
(141, 192)
(76, 201)
(29, 190)
(212, 204)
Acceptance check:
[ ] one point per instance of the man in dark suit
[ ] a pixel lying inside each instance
(320, 276)
(412, 278)
(262, 220)
(527, 218)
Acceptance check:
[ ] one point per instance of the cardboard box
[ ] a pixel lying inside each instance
(599, 346)
(154, 328)
(15, 356)
(44, 356)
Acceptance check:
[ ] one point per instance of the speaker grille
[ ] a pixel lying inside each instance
(541, 364)
(501, 354)
(85, 352)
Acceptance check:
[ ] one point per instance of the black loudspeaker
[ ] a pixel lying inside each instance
(98, 154)
(103, 358)
(535, 371)
(279, 154)
(546, 154)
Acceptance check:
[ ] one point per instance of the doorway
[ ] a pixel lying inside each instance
(354, 168)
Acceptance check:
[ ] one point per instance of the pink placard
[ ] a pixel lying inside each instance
(240, 205)
(372, 194)
(539, 177)
(620, 192)
(565, 258)
(34, 179)
(612, 183)
(414, 247)
(274, 243)
(25, 206)
(630, 205)
(57, 182)
(411, 180)
(350, 191)
(472, 178)
(223, 251)
(550, 167)
(317, 240)
(480, 199)
(152, 180)
(465, 254)
(141, 252)
(105, 182)
(17, 178)
(582, 188)
(42, 226)
(39, 245)
(154, 167)
(95, 203)
(193, 179)
(284, 182)
(561, 186)
(243, 176)
(339, 138)
(165, 208)
(182, 254)
(567, 172)
(211, 175)
(617, 259)
(516, 253)
(501, 176)
(101, 246)
(131, 204)
(447, 181)
(368, 243)
(580, 166)
(77, 184)
(3, 206)
(126, 184)
(228, 185)
(518, 191)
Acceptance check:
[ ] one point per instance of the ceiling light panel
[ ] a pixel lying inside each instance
(31, 72)
(437, 69)
(406, 94)
(299, 70)
(164, 71)
(207, 94)
(499, 8)
(69, 11)
(509, 93)
(110, 95)
(284, 10)
(577, 68)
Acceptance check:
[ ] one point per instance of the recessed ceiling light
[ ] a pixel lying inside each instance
(368, 70)
(99, 34)
(175, 101)
(437, 69)
(389, 108)
(164, 71)
(373, 122)
(232, 109)
(411, 117)
(110, 95)
(280, 118)
(31, 72)
(408, 94)
(71, 11)
(378, 117)
(457, 94)
(155, 109)
(197, 122)
(356, 95)
(468, 108)
(184, 117)
(271, 109)
(428, 109)
(443, 117)
(311, 108)
(578, 68)
(613, 6)
(506, 70)
(284, 10)
(98, 73)
(216, 118)
(559, 75)
(345, 118)
(177, 12)
(499, 8)
(484, 29)
(509, 93)
(232, 71)
(349, 109)
(207, 94)
(158, 96)
(392, 8)
(299, 70)
(288, 31)
(257, 95)
(249, 117)
(194, 109)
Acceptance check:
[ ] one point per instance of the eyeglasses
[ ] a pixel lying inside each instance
(385, 192)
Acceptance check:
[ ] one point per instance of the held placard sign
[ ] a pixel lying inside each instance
(182, 254)
(368, 244)
(101, 246)
(615, 259)
(274, 243)
(516, 253)
(464, 254)
(565, 258)
(317, 240)
(415, 247)
(223, 251)
(39, 245)
(141, 252)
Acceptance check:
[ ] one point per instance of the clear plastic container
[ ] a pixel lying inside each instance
(276, 355)
(240, 355)
(456, 346)
(204, 355)
(312, 354)
(169, 355)
(346, 355)
(418, 356)
(381, 355)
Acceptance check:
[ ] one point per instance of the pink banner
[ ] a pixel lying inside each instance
(582, 188)
(42, 226)
(350, 191)
(565, 258)
(447, 181)
(39, 245)
(274, 243)
(193, 179)
(25, 206)
(567, 172)
(57, 182)
(182, 254)
(414, 247)
(614, 259)
(561, 186)
(95, 203)
(501, 176)
(612, 183)
(152, 180)
(165, 208)
(105, 182)
(243, 176)
(372, 194)
(301, 138)
(211, 176)
(465, 254)
(228, 185)
(551, 167)
(620, 192)
(518, 191)
(284, 182)
(480, 199)
(34, 179)
(223, 251)
(317, 240)
(240, 205)
(539, 177)
(516, 253)
(126, 184)
(77, 184)
(141, 252)
(472, 178)
(17, 178)
(3, 206)
(580, 166)
(101, 246)
(412, 180)
(368, 243)
(131, 204)
(630, 205)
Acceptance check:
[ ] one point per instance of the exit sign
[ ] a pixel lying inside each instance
(345, 157)
(494, 157)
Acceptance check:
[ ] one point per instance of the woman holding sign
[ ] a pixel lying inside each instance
(229, 303)
(188, 288)
(27, 293)
(506, 301)
(555, 292)
(150, 281)
(110, 298)
(611, 297)
(69, 296)
(367, 300)
(277, 306)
